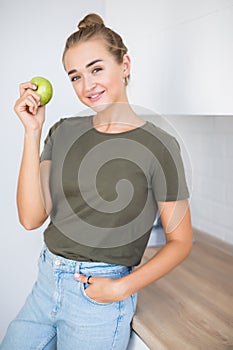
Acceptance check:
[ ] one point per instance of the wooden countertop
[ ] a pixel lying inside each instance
(192, 307)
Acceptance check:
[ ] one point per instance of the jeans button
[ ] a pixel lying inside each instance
(57, 262)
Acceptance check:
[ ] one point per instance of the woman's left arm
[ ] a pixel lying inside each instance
(176, 221)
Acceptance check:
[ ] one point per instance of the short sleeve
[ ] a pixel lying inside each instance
(168, 178)
(46, 153)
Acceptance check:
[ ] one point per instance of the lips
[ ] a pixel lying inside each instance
(95, 96)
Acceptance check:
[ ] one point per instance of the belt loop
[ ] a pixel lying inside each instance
(77, 267)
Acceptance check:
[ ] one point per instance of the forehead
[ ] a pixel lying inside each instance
(83, 53)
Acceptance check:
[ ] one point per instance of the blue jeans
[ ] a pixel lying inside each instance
(58, 315)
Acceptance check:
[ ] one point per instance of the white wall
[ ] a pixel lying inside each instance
(32, 39)
(182, 53)
(197, 57)
(139, 23)
(207, 150)
(209, 144)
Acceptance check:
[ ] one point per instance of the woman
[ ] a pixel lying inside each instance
(101, 179)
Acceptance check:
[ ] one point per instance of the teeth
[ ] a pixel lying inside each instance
(94, 96)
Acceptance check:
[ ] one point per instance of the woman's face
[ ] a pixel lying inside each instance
(95, 75)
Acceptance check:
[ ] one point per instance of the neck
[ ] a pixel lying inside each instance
(118, 113)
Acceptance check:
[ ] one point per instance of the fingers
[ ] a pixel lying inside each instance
(25, 86)
(88, 279)
(27, 104)
(27, 89)
(29, 100)
(32, 104)
(83, 279)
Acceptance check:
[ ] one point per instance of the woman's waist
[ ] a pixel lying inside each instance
(58, 262)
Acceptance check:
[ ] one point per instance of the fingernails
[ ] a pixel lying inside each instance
(77, 275)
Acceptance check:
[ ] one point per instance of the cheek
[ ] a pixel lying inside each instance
(77, 90)
(115, 82)
(112, 78)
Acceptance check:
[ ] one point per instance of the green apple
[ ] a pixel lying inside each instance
(44, 89)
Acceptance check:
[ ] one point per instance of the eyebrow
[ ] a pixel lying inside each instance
(87, 66)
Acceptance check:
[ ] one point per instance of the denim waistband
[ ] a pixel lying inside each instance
(68, 265)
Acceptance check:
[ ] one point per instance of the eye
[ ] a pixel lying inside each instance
(96, 70)
(75, 78)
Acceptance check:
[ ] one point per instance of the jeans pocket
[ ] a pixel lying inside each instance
(83, 288)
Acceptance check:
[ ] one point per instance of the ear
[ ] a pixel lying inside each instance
(126, 65)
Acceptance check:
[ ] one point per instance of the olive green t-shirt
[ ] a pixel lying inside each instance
(105, 187)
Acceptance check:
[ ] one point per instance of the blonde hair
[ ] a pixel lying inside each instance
(92, 27)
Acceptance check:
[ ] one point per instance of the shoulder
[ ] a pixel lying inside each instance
(159, 133)
(69, 122)
(159, 139)
(77, 120)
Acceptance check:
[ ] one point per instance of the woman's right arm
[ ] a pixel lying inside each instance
(33, 208)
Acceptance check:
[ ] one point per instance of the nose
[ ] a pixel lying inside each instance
(89, 83)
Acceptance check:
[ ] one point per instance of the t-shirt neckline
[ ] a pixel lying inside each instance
(116, 133)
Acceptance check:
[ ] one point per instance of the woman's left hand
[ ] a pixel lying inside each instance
(101, 289)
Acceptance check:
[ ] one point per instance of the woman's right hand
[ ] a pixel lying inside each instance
(28, 108)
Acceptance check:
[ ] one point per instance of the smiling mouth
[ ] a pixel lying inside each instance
(96, 96)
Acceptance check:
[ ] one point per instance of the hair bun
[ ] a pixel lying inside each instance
(90, 20)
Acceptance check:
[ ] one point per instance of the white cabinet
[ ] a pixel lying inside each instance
(136, 343)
